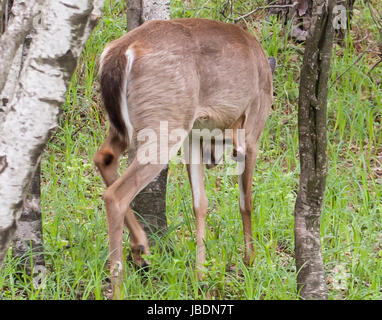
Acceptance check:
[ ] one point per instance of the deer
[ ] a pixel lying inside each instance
(189, 73)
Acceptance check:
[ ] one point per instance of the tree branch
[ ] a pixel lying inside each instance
(374, 66)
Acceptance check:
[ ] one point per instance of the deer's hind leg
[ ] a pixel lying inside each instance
(118, 198)
(253, 126)
(106, 160)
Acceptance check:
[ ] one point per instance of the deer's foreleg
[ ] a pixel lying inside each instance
(246, 201)
(200, 204)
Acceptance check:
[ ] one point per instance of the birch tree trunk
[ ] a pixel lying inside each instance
(150, 203)
(31, 114)
(28, 239)
(312, 147)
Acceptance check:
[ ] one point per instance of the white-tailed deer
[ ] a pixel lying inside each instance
(187, 73)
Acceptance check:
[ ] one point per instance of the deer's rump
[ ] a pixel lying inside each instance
(188, 72)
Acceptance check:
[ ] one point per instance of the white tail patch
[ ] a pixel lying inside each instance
(102, 58)
(124, 108)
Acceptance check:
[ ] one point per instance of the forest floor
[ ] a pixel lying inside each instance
(74, 223)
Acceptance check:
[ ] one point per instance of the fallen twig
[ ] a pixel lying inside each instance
(374, 66)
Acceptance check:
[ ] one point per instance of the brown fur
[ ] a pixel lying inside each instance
(193, 73)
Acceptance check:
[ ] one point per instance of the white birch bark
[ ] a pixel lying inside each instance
(32, 113)
(10, 85)
(16, 31)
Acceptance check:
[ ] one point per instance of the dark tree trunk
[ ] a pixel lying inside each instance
(134, 14)
(150, 203)
(312, 148)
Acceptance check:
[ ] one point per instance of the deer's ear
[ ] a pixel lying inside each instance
(272, 63)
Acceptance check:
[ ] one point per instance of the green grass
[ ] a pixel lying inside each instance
(75, 231)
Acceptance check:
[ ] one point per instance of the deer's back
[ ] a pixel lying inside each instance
(204, 68)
